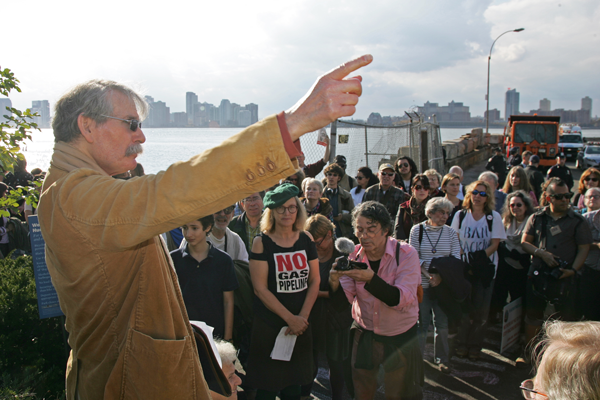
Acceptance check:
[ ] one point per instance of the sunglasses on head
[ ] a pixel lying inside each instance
(589, 178)
(477, 192)
(562, 196)
(421, 187)
(386, 173)
(134, 124)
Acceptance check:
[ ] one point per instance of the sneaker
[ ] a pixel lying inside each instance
(461, 351)
(474, 354)
(444, 368)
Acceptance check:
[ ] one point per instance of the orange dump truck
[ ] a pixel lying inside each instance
(538, 134)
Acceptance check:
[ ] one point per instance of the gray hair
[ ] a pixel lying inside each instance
(227, 352)
(91, 99)
(592, 190)
(489, 175)
(308, 181)
(455, 169)
(437, 204)
(433, 172)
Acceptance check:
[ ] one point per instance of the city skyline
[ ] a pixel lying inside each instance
(438, 51)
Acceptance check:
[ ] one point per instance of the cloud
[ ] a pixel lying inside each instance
(270, 52)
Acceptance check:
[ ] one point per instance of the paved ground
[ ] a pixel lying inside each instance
(494, 376)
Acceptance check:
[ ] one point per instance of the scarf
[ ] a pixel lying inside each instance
(417, 211)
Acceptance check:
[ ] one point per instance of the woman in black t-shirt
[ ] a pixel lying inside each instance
(285, 275)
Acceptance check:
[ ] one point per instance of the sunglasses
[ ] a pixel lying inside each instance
(387, 173)
(590, 179)
(227, 210)
(477, 192)
(358, 178)
(561, 196)
(404, 165)
(518, 205)
(134, 124)
(421, 187)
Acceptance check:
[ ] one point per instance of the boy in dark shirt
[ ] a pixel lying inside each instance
(206, 277)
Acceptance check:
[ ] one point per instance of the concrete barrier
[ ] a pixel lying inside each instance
(470, 148)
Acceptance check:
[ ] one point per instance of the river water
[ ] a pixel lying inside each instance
(164, 146)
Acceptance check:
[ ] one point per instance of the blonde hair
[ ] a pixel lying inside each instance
(267, 222)
(433, 172)
(490, 201)
(571, 360)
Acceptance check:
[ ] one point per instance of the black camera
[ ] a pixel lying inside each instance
(345, 247)
(556, 272)
(344, 264)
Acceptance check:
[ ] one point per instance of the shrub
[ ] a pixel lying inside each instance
(32, 351)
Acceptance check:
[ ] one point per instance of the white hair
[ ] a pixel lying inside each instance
(227, 352)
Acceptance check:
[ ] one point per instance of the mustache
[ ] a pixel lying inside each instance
(134, 149)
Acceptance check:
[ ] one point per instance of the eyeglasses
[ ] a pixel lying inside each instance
(421, 187)
(404, 165)
(528, 391)
(134, 124)
(291, 209)
(387, 173)
(227, 210)
(477, 192)
(588, 178)
(593, 196)
(562, 196)
(359, 178)
(253, 199)
(518, 205)
(321, 241)
(369, 232)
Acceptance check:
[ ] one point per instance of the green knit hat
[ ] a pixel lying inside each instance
(282, 193)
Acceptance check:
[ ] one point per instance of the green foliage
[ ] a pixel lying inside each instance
(13, 133)
(32, 351)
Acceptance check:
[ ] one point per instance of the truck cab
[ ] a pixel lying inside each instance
(538, 134)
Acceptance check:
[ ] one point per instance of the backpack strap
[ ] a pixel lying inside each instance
(397, 253)
(461, 216)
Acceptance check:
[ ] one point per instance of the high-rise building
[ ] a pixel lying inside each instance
(455, 112)
(4, 102)
(190, 102)
(225, 117)
(494, 115)
(235, 109)
(42, 107)
(179, 119)
(244, 118)
(545, 105)
(253, 108)
(511, 104)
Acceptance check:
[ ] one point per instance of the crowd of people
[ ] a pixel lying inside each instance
(301, 270)
(435, 250)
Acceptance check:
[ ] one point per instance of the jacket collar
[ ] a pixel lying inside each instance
(68, 158)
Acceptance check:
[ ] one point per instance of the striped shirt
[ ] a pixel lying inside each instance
(448, 244)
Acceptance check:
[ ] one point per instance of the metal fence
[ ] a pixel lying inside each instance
(369, 145)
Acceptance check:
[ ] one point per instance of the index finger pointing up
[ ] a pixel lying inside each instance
(345, 69)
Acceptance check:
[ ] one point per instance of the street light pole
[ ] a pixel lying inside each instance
(487, 96)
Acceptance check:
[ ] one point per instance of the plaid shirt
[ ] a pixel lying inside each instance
(251, 232)
(391, 199)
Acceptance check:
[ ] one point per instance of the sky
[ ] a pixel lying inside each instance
(270, 52)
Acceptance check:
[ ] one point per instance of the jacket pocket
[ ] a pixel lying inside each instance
(158, 369)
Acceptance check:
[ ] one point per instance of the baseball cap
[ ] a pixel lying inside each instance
(534, 159)
(386, 166)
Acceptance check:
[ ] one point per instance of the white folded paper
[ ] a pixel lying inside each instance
(284, 346)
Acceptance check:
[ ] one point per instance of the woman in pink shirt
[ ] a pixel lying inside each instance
(384, 307)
